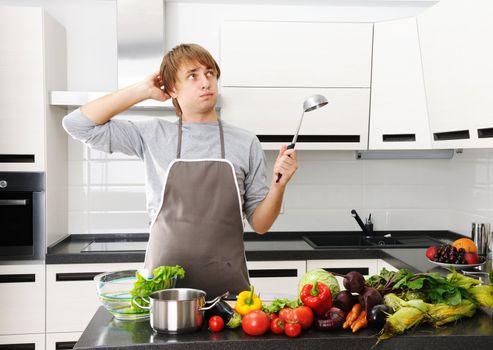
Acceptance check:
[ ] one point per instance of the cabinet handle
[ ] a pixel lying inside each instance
(309, 138)
(344, 270)
(16, 158)
(264, 273)
(76, 276)
(26, 346)
(451, 135)
(18, 278)
(13, 201)
(398, 137)
(63, 345)
(485, 133)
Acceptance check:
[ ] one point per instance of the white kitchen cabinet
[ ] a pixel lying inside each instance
(367, 267)
(398, 114)
(274, 113)
(71, 297)
(455, 38)
(382, 263)
(274, 279)
(32, 62)
(22, 301)
(57, 341)
(23, 342)
(295, 54)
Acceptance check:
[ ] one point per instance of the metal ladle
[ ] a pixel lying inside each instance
(311, 103)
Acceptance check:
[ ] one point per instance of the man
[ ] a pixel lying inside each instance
(202, 175)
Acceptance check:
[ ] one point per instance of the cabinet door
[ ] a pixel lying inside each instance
(273, 114)
(367, 267)
(23, 342)
(273, 279)
(295, 54)
(398, 117)
(58, 341)
(71, 299)
(22, 302)
(22, 89)
(382, 263)
(455, 38)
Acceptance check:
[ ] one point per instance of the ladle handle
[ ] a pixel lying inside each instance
(290, 146)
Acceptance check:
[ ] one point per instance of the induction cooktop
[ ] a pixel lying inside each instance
(115, 246)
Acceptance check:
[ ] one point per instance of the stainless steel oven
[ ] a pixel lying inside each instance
(22, 215)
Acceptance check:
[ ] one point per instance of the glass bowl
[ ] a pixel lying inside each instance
(113, 290)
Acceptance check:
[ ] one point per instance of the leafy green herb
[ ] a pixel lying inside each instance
(163, 277)
(431, 286)
(279, 304)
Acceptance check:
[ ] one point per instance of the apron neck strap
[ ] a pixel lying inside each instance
(180, 132)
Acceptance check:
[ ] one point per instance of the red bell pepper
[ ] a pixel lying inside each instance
(317, 296)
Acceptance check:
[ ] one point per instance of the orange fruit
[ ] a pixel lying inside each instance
(465, 243)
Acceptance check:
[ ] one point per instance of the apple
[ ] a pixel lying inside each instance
(471, 258)
(431, 252)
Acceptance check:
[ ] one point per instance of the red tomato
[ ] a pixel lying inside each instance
(292, 329)
(304, 316)
(300, 314)
(255, 323)
(216, 323)
(277, 326)
(286, 314)
(272, 316)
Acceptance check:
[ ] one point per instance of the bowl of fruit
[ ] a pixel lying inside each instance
(462, 254)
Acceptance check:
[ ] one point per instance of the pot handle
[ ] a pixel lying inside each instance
(134, 301)
(214, 302)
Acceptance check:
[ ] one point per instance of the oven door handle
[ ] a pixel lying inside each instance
(13, 201)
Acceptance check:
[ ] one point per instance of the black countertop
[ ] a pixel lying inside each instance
(105, 332)
(268, 247)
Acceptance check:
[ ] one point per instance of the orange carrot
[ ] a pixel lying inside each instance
(361, 322)
(352, 315)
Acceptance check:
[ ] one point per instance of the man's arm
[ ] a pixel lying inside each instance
(106, 107)
(268, 209)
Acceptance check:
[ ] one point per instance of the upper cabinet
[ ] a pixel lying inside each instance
(32, 62)
(270, 68)
(457, 55)
(296, 54)
(398, 117)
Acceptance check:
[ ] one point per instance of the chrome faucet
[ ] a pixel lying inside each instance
(367, 228)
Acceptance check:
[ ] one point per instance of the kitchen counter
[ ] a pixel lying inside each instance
(269, 247)
(106, 333)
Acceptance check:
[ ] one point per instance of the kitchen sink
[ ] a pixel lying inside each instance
(350, 240)
(330, 240)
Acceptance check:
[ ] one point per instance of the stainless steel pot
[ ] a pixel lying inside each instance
(178, 310)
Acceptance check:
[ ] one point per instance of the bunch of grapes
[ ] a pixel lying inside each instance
(450, 255)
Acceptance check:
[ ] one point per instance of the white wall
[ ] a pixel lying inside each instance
(106, 192)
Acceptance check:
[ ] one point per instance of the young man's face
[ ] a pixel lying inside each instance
(196, 88)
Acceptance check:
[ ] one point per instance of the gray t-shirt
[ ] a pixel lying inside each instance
(154, 141)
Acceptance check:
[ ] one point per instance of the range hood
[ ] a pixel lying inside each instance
(140, 46)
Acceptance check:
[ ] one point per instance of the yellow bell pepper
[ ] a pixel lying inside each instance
(247, 301)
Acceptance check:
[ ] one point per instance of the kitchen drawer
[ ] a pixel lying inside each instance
(61, 341)
(276, 278)
(22, 342)
(367, 267)
(22, 302)
(71, 299)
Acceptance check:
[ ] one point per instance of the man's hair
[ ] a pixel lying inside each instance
(172, 61)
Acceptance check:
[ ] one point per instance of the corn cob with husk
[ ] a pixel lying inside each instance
(443, 313)
(483, 294)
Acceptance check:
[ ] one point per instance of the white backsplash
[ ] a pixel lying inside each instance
(107, 193)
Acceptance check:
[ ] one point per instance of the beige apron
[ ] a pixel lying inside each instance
(199, 224)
